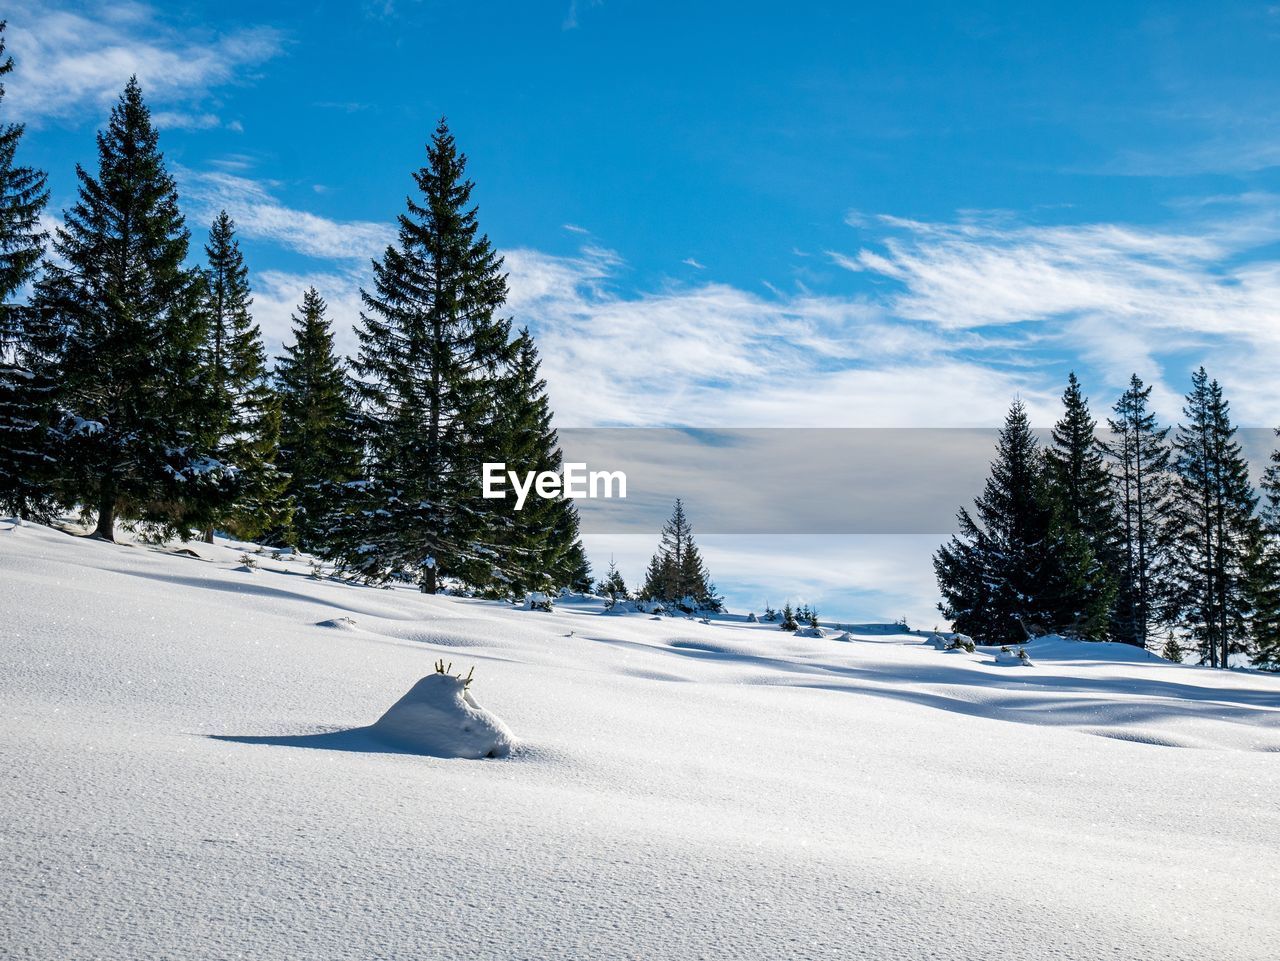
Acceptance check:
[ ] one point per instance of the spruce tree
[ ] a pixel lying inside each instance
(131, 314)
(27, 392)
(431, 348)
(789, 622)
(1213, 524)
(537, 547)
(243, 413)
(613, 586)
(1080, 482)
(1264, 573)
(320, 447)
(677, 574)
(1020, 567)
(1139, 455)
(1172, 650)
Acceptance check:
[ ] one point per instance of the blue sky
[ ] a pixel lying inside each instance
(801, 214)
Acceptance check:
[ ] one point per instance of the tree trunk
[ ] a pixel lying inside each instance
(208, 534)
(106, 529)
(427, 579)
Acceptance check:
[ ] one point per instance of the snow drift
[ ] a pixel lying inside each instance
(438, 716)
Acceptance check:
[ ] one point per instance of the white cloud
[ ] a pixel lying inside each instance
(277, 293)
(1119, 298)
(691, 262)
(71, 61)
(259, 215)
(715, 354)
(177, 120)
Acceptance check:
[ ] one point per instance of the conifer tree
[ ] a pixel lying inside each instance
(319, 443)
(431, 348)
(537, 547)
(27, 393)
(613, 586)
(789, 622)
(1139, 455)
(1172, 650)
(1020, 567)
(243, 413)
(1213, 525)
(1078, 478)
(677, 574)
(133, 323)
(1264, 573)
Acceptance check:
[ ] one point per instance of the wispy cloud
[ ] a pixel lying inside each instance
(260, 215)
(1118, 297)
(73, 59)
(571, 17)
(716, 354)
(575, 229)
(277, 293)
(178, 120)
(691, 262)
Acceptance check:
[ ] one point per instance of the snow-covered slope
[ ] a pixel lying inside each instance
(186, 771)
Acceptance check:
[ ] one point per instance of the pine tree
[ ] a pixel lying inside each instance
(613, 586)
(576, 567)
(243, 412)
(1020, 567)
(537, 547)
(789, 622)
(677, 574)
(27, 393)
(1139, 455)
(1079, 481)
(1213, 525)
(319, 449)
(1264, 573)
(1172, 650)
(431, 347)
(133, 321)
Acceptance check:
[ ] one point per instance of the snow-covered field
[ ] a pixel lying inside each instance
(184, 774)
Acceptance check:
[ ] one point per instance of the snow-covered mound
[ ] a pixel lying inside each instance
(438, 716)
(811, 632)
(1015, 656)
(338, 623)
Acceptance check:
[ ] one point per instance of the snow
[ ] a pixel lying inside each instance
(189, 769)
(440, 717)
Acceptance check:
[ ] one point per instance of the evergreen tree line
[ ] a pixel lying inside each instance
(1140, 533)
(135, 385)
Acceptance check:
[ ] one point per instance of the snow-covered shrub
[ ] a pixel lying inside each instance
(752, 619)
(537, 601)
(438, 716)
(789, 622)
(1008, 655)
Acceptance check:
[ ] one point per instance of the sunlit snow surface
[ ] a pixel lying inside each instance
(187, 771)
